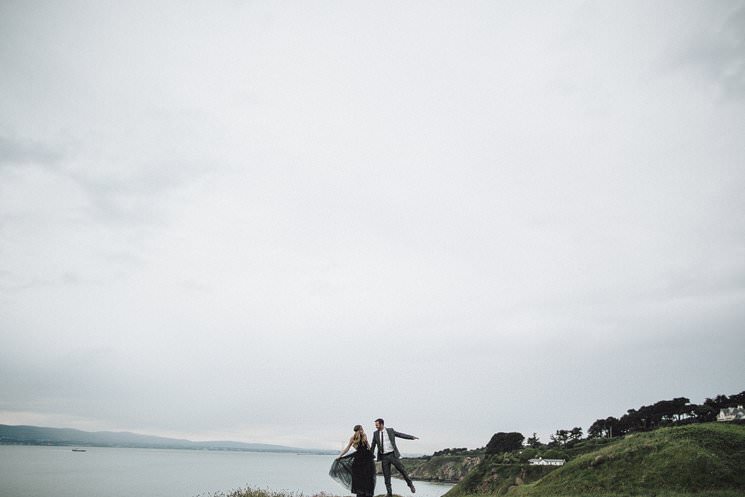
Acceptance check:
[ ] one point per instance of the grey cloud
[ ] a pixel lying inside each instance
(732, 68)
(23, 152)
(131, 195)
(718, 53)
(122, 258)
(12, 282)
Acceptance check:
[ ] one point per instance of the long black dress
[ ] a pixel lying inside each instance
(356, 471)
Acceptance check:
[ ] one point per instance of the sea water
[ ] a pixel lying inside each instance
(33, 471)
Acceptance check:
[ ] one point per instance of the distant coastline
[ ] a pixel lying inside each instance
(66, 437)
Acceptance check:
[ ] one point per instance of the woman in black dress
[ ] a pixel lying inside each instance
(356, 471)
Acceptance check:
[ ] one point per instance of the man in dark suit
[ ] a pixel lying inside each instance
(384, 439)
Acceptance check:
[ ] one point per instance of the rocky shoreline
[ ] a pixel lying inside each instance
(438, 469)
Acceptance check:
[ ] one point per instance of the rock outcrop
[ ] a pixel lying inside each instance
(445, 469)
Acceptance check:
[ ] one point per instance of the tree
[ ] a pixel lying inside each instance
(722, 401)
(705, 413)
(613, 427)
(534, 442)
(450, 452)
(718, 402)
(668, 411)
(504, 442)
(528, 454)
(737, 399)
(632, 421)
(566, 437)
(575, 434)
(597, 429)
(560, 437)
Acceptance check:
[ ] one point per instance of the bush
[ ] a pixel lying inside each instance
(553, 454)
(528, 454)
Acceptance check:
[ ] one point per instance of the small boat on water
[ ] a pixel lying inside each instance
(79, 450)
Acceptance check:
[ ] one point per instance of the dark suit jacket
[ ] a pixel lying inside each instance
(392, 434)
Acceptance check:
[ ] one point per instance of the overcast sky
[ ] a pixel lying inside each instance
(270, 221)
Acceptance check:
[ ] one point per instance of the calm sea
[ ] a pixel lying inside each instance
(27, 471)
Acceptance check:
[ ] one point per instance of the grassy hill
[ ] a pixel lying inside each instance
(489, 478)
(702, 459)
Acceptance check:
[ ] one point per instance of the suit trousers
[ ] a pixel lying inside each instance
(386, 461)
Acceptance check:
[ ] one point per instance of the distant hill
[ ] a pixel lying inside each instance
(37, 435)
(700, 459)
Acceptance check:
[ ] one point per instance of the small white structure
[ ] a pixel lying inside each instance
(547, 462)
(731, 414)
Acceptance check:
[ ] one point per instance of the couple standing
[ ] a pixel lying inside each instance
(357, 470)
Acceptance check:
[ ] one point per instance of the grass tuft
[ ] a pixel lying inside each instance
(260, 492)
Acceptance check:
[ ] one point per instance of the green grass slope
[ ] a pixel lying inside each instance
(489, 478)
(704, 459)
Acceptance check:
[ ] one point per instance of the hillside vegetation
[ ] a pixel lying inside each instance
(494, 478)
(702, 459)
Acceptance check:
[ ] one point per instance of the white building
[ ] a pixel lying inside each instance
(731, 414)
(547, 462)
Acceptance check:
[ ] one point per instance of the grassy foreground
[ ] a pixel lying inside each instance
(250, 492)
(259, 492)
(255, 492)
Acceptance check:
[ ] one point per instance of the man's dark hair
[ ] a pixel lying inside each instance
(380, 420)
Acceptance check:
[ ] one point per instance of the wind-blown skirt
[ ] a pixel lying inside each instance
(355, 472)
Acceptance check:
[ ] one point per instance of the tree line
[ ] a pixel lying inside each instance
(509, 442)
(676, 411)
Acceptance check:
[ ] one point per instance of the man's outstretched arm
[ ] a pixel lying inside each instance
(404, 435)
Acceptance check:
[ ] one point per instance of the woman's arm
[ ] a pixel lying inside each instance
(346, 448)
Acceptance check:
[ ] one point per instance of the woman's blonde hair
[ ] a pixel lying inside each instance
(359, 437)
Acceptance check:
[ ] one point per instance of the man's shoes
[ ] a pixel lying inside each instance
(411, 486)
